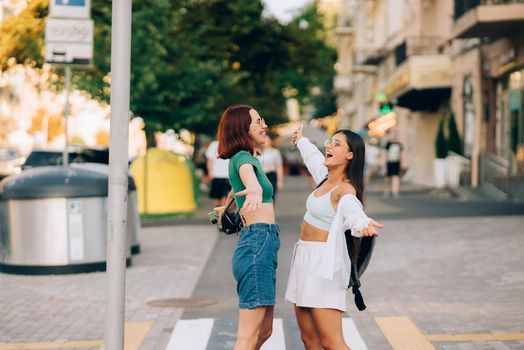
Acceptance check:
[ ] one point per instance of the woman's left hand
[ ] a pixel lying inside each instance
(253, 199)
(371, 229)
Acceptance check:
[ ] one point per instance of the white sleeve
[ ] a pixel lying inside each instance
(313, 159)
(354, 218)
(278, 157)
(212, 150)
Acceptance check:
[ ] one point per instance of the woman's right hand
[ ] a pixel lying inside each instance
(297, 135)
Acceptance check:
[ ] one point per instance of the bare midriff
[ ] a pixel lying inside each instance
(264, 214)
(309, 232)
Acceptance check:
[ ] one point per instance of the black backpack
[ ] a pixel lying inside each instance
(360, 250)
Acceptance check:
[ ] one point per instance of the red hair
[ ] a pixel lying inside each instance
(233, 131)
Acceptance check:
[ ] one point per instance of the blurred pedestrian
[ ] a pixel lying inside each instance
(271, 160)
(373, 166)
(326, 255)
(137, 138)
(241, 134)
(218, 177)
(392, 153)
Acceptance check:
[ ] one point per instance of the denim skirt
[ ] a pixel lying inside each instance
(255, 265)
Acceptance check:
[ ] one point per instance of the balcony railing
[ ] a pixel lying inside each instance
(463, 6)
(370, 55)
(417, 45)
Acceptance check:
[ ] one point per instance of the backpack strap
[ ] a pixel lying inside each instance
(359, 300)
(359, 263)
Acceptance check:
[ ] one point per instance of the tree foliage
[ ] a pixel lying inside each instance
(312, 60)
(23, 36)
(193, 58)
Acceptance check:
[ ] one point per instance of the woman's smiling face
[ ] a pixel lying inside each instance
(337, 151)
(258, 127)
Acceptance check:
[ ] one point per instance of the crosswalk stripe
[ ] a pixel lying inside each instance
(277, 340)
(191, 334)
(352, 335)
(196, 334)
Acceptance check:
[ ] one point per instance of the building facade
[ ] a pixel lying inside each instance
(431, 59)
(488, 91)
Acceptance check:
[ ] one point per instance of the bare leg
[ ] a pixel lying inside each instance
(250, 323)
(395, 185)
(267, 327)
(308, 333)
(328, 323)
(387, 179)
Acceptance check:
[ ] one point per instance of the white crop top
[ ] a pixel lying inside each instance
(350, 215)
(320, 212)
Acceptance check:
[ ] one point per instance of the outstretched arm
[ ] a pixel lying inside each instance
(355, 219)
(253, 191)
(313, 159)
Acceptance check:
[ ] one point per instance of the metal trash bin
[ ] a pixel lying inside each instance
(133, 216)
(54, 221)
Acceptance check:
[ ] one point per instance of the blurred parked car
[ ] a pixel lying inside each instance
(11, 161)
(38, 158)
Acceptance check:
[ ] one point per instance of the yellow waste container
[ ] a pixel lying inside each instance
(165, 182)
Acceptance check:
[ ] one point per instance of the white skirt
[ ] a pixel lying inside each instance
(305, 287)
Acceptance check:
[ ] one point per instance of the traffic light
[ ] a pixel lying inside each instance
(385, 108)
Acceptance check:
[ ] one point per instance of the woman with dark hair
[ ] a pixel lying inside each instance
(241, 133)
(325, 257)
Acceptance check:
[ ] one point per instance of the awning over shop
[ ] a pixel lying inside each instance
(421, 82)
(426, 99)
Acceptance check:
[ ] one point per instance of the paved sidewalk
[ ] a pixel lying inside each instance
(61, 308)
(460, 276)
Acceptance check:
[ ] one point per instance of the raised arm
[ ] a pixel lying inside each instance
(313, 159)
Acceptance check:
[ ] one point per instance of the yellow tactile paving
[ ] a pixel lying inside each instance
(135, 332)
(475, 337)
(52, 345)
(403, 334)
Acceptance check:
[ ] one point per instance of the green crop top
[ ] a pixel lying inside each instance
(235, 162)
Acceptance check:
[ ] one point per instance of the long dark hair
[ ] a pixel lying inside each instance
(355, 174)
(355, 168)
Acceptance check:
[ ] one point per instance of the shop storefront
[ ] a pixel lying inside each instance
(502, 160)
(421, 86)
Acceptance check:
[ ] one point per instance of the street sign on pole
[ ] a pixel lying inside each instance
(69, 41)
(70, 9)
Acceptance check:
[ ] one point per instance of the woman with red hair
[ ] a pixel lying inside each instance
(241, 133)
